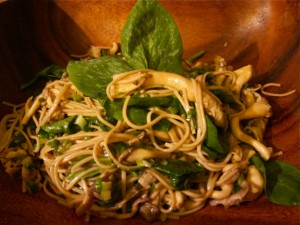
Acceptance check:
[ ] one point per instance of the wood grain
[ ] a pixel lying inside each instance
(266, 34)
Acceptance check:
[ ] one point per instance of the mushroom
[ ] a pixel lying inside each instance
(234, 199)
(146, 179)
(258, 110)
(149, 211)
(250, 189)
(243, 75)
(256, 183)
(136, 140)
(213, 107)
(144, 182)
(180, 197)
(225, 191)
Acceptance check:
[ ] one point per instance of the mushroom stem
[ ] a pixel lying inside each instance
(257, 110)
(224, 193)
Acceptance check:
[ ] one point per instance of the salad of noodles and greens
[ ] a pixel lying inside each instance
(136, 129)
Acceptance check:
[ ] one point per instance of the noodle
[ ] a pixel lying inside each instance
(275, 94)
(118, 168)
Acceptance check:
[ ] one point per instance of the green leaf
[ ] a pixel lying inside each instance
(137, 115)
(91, 77)
(175, 107)
(178, 171)
(215, 142)
(163, 125)
(118, 148)
(227, 97)
(94, 121)
(282, 181)
(146, 101)
(178, 167)
(137, 112)
(150, 38)
(60, 146)
(52, 72)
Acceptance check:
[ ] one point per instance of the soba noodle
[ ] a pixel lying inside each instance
(85, 170)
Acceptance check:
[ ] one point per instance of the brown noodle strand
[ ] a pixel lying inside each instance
(78, 175)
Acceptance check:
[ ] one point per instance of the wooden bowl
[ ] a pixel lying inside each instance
(266, 34)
